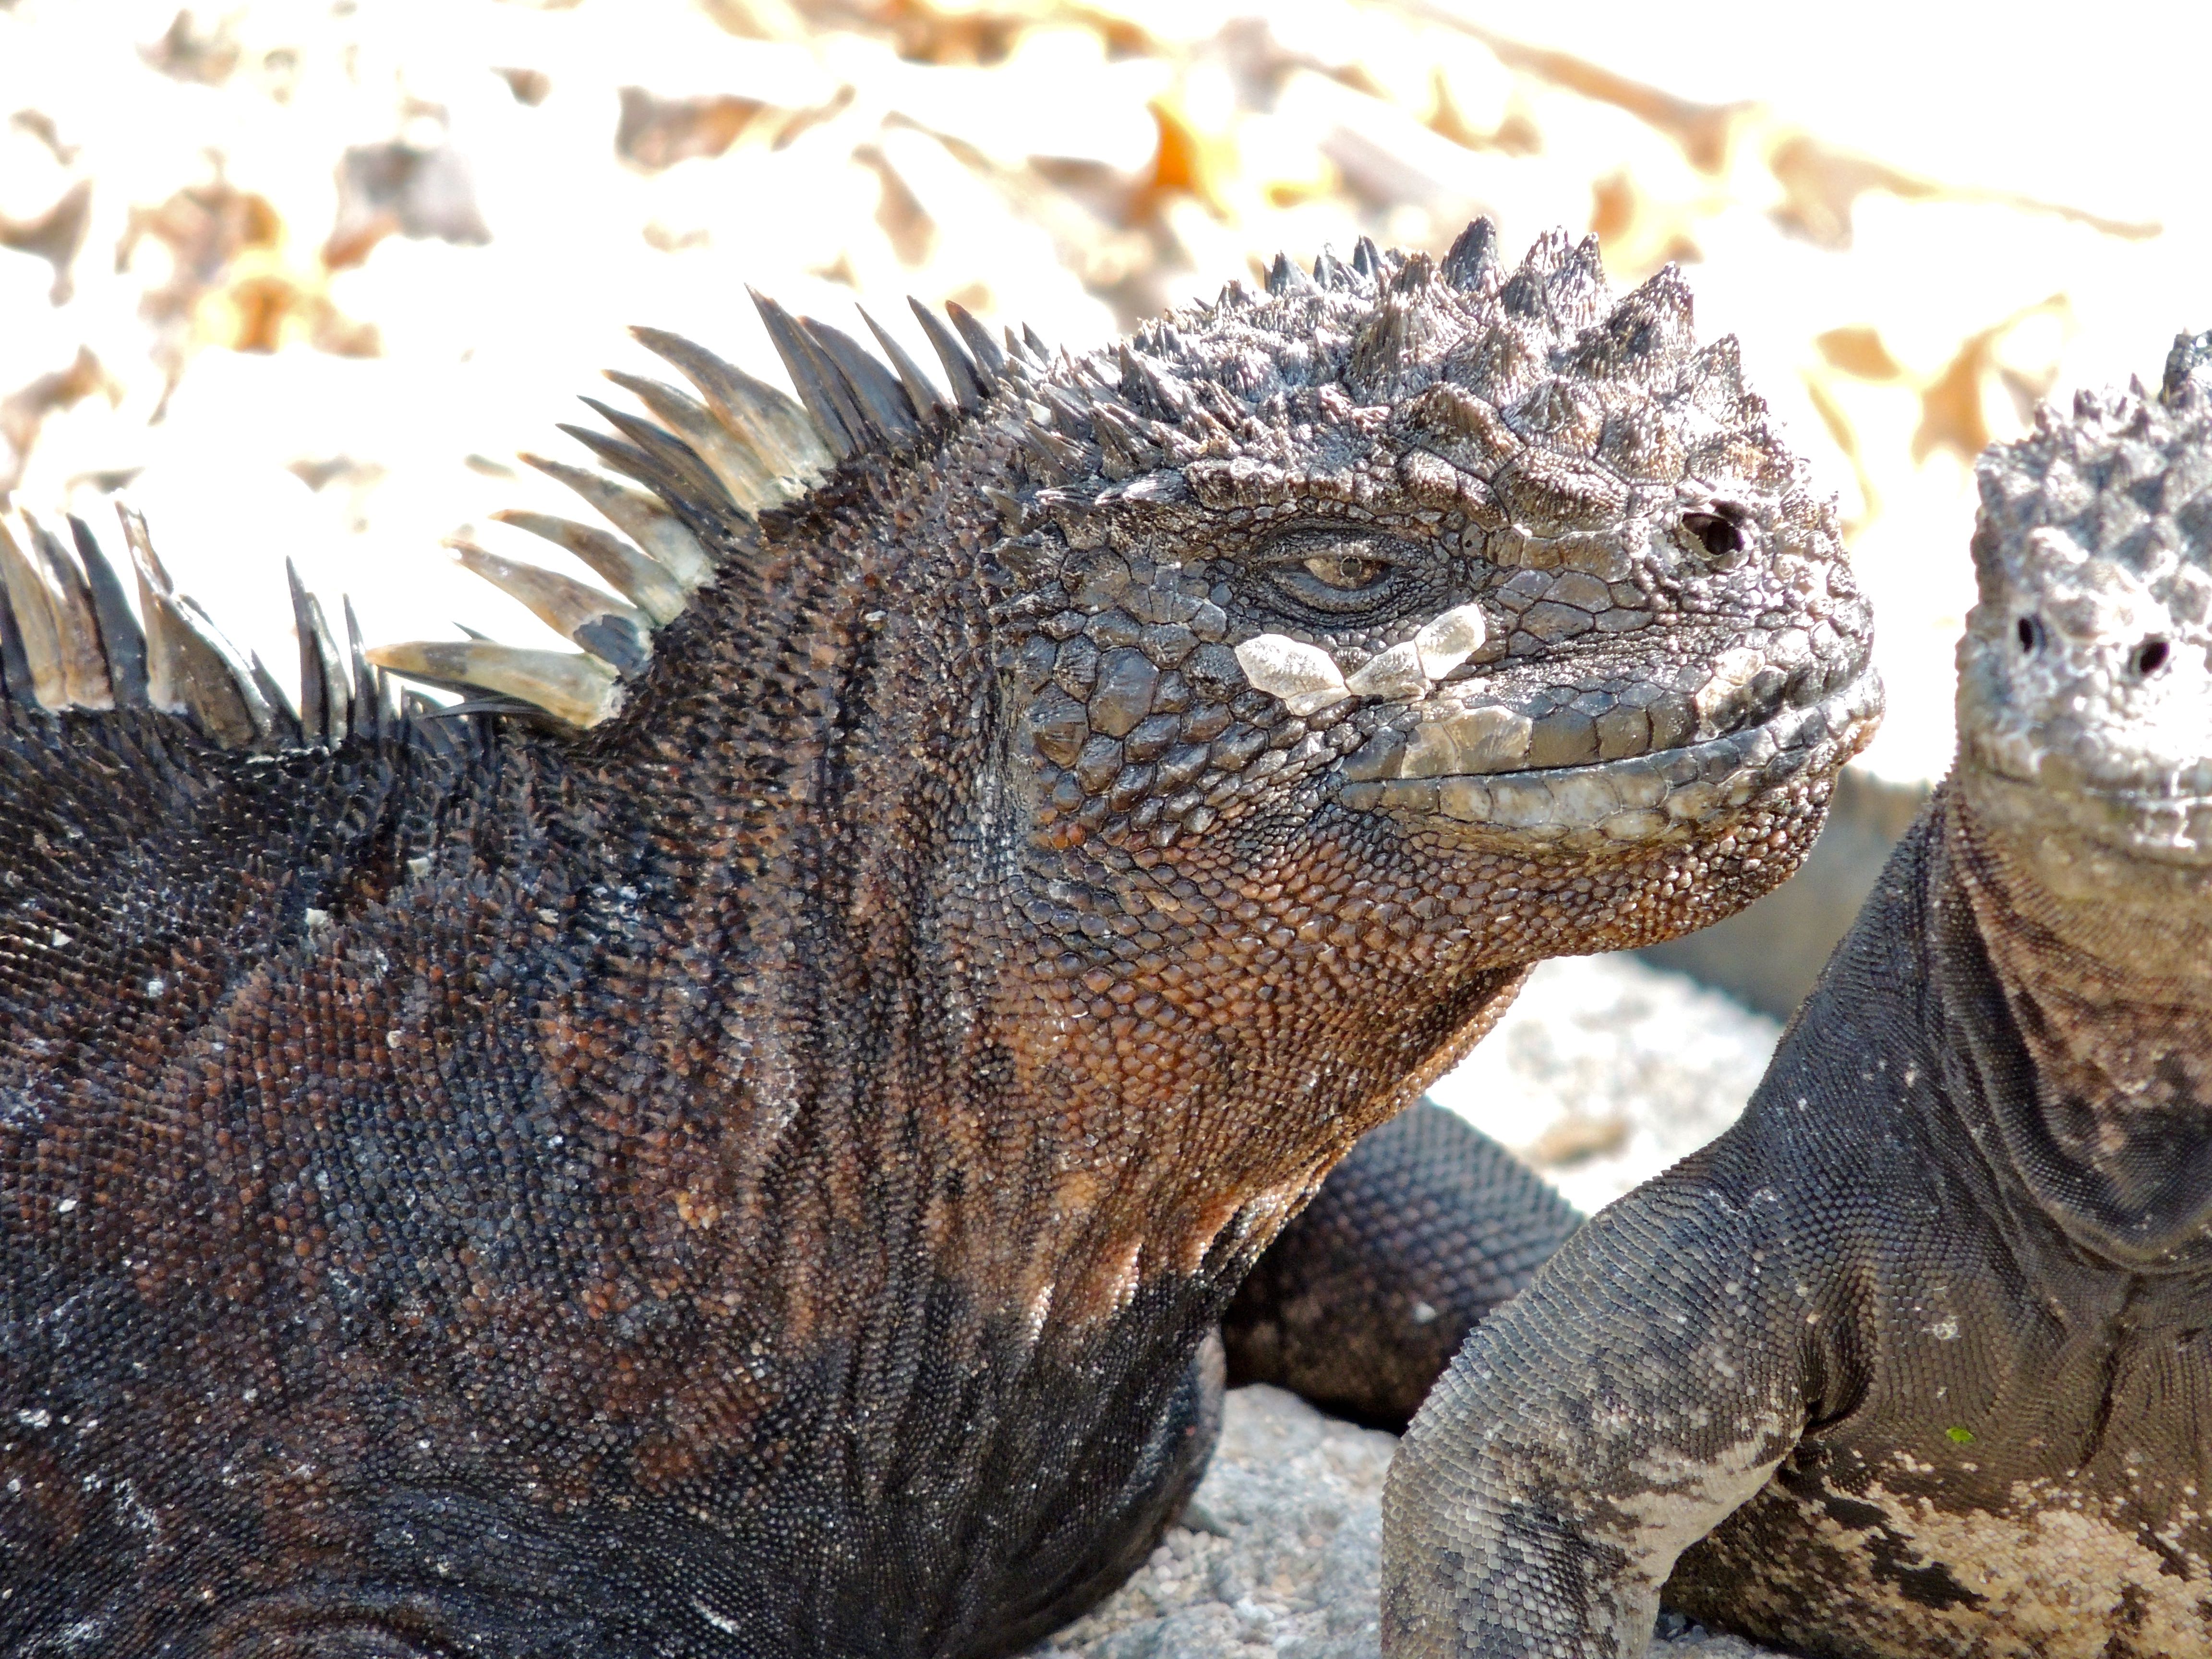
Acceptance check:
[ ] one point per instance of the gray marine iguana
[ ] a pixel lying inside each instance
(1916, 1359)
(746, 1156)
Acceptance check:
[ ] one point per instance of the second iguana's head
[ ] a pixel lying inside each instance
(2085, 675)
(1495, 594)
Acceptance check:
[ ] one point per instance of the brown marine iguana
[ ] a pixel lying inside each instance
(1916, 1360)
(750, 1165)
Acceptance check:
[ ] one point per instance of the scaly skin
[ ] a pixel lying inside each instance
(756, 1170)
(1912, 1362)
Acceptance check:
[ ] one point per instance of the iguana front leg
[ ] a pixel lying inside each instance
(1645, 1385)
(1413, 1240)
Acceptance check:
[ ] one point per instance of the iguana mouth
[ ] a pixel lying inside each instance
(1662, 794)
(2164, 816)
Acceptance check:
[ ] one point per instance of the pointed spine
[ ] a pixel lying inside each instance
(884, 407)
(325, 692)
(663, 537)
(990, 362)
(671, 468)
(283, 723)
(968, 386)
(820, 387)
(627, 571)
(84, 664)
(191, 668)
(920, 391)
(599, 622)
(762, 418)
(367, 715)
(121, 642)
(17, 683)
(35, 622)
(739, 470)
(1472, 263)
(571, 687)
(1285, 278)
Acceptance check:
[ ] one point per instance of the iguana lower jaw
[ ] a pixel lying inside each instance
(1669, 795)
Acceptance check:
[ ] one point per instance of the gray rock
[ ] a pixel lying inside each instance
(1606, 1071)
(1280, 1551)
(1279, 1554)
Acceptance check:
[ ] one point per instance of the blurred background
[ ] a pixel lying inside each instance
(303, 275)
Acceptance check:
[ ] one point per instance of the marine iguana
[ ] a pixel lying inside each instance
(748, 1159)
(1914, 1359)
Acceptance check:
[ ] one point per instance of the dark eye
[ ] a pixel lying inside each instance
(1347, 571)
(2029, 632)
(1721, 533)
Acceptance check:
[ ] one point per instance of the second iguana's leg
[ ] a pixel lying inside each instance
(1643, 1387)
(1365, 1298)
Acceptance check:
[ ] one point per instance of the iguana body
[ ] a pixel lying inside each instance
(755, 1169)
(1913, 1361)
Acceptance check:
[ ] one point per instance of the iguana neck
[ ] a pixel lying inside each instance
(2106, 1117)
(2107, 961)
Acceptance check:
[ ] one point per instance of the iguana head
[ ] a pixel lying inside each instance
(2085, 686)
(1483, 581)
(1269, 687)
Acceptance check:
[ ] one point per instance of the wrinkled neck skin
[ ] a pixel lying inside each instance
(875, 948)
(2105, 957)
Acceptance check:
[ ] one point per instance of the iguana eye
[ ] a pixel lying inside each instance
(1334, 574)
(1347, 571)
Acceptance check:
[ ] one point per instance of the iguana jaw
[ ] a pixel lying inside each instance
(1668, 794)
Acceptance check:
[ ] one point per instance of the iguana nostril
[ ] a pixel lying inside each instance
(2149, 657)
(2030, 632)
(1721, 537)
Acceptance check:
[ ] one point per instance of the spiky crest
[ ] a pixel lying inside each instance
(1466, 352)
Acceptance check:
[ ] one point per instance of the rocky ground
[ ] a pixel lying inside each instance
(1605, 1072)
(1279, 1553)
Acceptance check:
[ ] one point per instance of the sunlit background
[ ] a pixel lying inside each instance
(303, 277)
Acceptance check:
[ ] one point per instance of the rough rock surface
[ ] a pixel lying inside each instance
(1280, 1553)
(1605, 1071)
